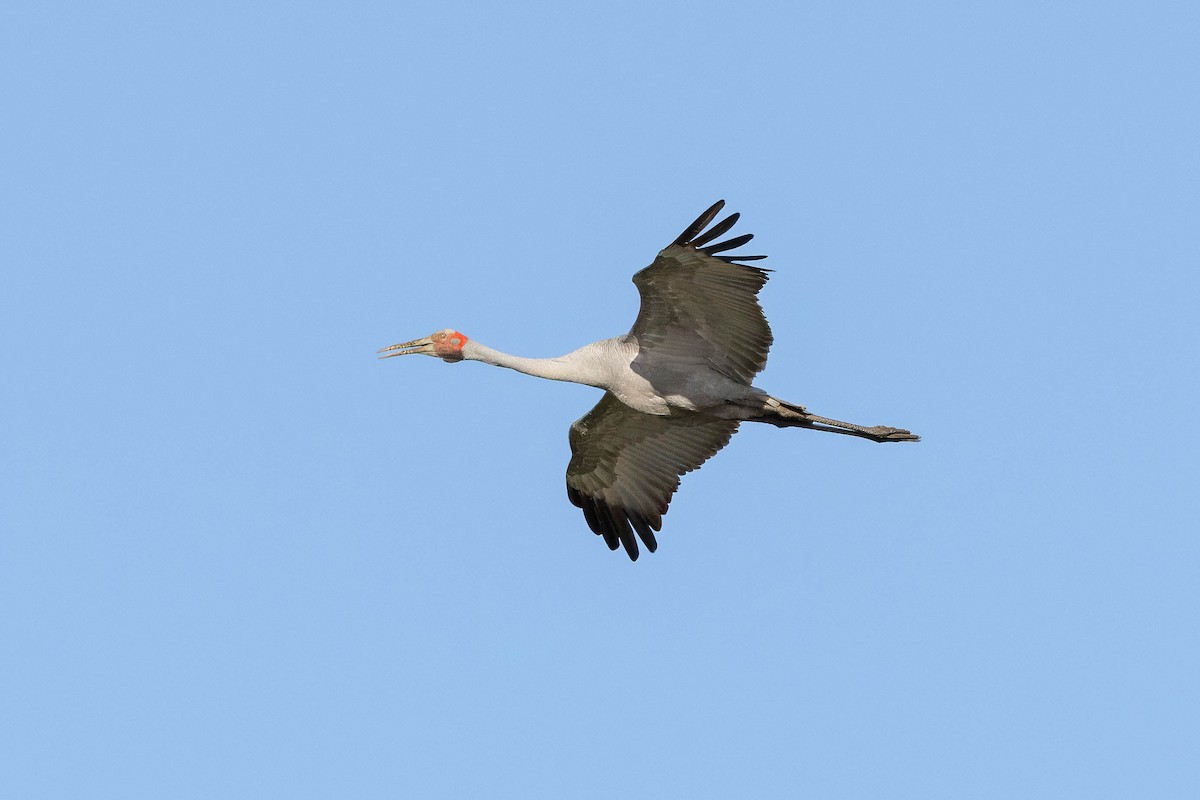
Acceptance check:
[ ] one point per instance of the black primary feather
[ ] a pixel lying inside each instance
(715, 231)
(700, 224)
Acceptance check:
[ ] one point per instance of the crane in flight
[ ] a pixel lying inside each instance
(675, 387)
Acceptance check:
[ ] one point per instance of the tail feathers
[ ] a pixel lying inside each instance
(784, 414)
(792, 407)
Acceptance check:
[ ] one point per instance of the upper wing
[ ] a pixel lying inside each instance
(625, 465)
(699, 308)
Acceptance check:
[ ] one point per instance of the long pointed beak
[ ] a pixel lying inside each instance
(419, 346)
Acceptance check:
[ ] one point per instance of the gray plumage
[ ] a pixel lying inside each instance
(676, 386)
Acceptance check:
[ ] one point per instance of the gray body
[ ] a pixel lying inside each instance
(676, 386)
(638, 379)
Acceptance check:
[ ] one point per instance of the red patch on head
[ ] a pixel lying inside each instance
(448, 346)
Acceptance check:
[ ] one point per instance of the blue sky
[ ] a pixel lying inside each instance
(239, 557)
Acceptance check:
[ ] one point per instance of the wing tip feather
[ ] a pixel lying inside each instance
(615, 525)
(695, 237)
(700, 223)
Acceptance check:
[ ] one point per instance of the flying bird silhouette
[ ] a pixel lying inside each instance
(675, 387)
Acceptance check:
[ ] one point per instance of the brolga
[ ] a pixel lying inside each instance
(676, 386)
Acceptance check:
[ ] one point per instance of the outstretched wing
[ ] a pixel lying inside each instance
(700, 308)
(625, 465)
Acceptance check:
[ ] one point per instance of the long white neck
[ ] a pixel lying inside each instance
(580, 366)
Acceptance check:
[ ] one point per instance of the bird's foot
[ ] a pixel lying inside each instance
(885, 434)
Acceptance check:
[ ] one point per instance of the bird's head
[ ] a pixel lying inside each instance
(446, 344)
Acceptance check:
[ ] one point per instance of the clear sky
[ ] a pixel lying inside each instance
(242, 558)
